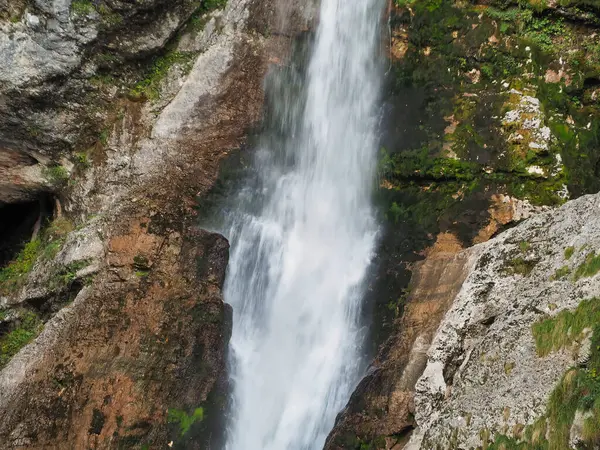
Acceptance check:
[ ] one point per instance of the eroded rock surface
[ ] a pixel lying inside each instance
(121, 289)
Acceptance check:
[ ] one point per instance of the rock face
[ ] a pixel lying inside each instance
(492, 118)
(383, 403)
(106, 370)
(484, 375)
(123, 111)
(52, 54)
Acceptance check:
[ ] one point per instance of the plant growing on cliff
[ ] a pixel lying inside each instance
(149, 87)
(567, 327)
(569, 252)
(589, 267)
(561, 273)
(185, 421)
(578, 390)
(56, 175)
(82, 7)
(28, 327)
(14, 274)
(48, 243)
(519, 266)
(209, 5)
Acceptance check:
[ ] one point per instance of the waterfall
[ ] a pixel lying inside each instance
(302, 239)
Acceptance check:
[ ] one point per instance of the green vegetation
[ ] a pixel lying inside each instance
(57, 175)
(456, 41)
(141, 264)
(561, 273)
(569, 252)
(50, 240)
(561, 331)
(589, 267)
(54, 235)
(13, 276)
(508, 367)
(29, 326)
(82, 7)
(82, 160)
(524, 246)
(149, 87)
(419, 164)
(198, 18)
(519, 266)
(578, 390)
(66, 275)
(209, 5)
(108, 16)
(184, 420)
(103, 136)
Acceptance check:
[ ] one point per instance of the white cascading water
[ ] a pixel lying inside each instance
(299, 258)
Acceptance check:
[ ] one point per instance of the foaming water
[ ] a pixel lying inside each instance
(303, 234)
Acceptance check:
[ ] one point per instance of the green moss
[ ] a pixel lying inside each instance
(543, 31)
(524, 246)
(48, 243)
(184, 420)
(82, 7)
(589, 267)
(149, 87)
(209, 5)
(82, 160)
(29, 326)
(109, 16)
(103, 136)
(65, 276)
(561, 331)
(569, 252)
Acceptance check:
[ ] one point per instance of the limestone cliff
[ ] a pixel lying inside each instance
(521, 332)
(114, 119)
(491, 117)
(114, 116)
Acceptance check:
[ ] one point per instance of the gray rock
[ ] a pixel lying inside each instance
(483, 371)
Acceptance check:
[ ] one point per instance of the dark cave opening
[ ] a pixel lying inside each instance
(19, 222)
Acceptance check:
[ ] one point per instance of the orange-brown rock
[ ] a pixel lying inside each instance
(381, 408)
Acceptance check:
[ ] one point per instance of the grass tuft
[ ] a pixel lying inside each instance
(589, 267)
(563, 330)
(561, 273)
(519, 266)
(28, 328)
(569, 252)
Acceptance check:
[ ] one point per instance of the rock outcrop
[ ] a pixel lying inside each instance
(113, 330)
(486, 374)
(383, 403)
(492, 118)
